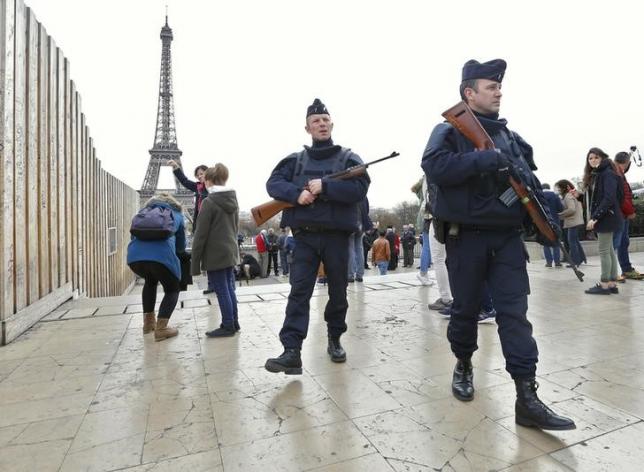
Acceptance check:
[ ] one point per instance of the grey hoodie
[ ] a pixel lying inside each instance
(214, 246)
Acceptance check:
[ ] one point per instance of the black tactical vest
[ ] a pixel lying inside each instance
(307, 168)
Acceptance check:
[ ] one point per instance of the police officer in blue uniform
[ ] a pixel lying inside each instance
(324, 215)
(483, 240)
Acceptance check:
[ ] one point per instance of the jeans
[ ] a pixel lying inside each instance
(155, 273)
(425, 254)
(576, 251)
(621, 242)
(223, 282)
(382, 267)
(551, 253)
(356, 255)
(607, 257)
(284, 262)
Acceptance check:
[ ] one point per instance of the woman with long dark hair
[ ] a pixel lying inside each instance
(573, 219)
(601, 186)
(198, 187)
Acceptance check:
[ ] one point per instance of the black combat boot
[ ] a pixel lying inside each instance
(335, 349)
(462, 380)
(288, 362)
(530, 411)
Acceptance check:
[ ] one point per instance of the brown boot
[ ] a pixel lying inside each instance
(149, 322)
(163, 331)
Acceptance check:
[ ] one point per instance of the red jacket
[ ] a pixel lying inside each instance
(627, 205)
(260, 243)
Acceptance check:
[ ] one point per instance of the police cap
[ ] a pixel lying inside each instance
(491, 70)
(317, 108)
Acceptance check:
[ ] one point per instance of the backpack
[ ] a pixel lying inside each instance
(153, 223)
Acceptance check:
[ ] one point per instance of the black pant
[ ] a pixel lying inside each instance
(498, 258)
(155, 273)
(366, 250)
(272, 257)
(408, 256)
(311, 248)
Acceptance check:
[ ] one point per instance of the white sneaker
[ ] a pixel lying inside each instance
(424, 279)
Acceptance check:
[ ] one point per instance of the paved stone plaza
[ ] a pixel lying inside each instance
(83, 390)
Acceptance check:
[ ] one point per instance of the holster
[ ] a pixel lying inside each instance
(440, 230)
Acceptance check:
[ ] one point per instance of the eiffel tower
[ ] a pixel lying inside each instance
(165, 146)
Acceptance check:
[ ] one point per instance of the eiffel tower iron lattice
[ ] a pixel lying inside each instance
(165, 146)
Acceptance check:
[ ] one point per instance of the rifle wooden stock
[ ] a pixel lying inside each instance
(461, 117)
(264, 212)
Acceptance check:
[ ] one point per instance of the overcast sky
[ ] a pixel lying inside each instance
(245, 71)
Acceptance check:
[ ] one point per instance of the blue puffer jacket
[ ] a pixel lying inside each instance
(163, 251)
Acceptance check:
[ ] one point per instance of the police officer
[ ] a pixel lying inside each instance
(324, 215)
(483, 240)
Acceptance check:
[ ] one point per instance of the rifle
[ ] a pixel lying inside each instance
(463, 119)
(264, 212)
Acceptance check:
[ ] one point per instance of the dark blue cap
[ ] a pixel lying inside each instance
(317, 108)
(491, 70)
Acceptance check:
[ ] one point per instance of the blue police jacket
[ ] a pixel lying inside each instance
(163, 251)
(467, 182)
(336, 208)
(554, 204)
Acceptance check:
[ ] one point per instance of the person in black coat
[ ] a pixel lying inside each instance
(390, 236)
(248, 267)
(603, 188)
(552, 254)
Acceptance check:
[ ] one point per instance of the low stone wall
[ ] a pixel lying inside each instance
(590, 248)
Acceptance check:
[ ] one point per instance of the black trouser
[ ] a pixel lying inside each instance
(272, 257)
(408, 255)
(155, 273)
(498, 258)
(311, 248)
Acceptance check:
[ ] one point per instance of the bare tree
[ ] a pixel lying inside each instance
(407, 212)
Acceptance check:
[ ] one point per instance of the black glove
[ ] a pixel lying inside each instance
(503, 162)
(506, 168)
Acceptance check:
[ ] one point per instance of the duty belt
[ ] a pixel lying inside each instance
(317, 229)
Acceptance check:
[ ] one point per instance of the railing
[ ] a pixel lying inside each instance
(56, 202)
